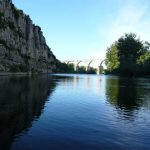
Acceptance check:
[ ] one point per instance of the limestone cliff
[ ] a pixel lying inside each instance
(22, 44)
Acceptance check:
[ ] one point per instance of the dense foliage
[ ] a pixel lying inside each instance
(112, 58)
(128, 56)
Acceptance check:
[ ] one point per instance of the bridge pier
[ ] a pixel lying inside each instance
(76, 64)
(75, 67)
(99, 70)
(87, 68)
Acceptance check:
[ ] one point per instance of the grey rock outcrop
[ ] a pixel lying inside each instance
(22, 44)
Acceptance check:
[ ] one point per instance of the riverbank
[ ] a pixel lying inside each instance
(13, 73)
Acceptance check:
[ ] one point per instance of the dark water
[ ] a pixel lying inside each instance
(74, 112)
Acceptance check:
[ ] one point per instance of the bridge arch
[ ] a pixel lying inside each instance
(88, 65)
(88, 62)
(68, 62)
(77, 64)
(100, 67)
(102, 62)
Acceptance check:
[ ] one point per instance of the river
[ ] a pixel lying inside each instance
(74, 112)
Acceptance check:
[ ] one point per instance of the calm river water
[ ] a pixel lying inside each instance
(74, 112)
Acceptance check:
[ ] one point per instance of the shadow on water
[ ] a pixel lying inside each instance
(22, 101)
(128, 95)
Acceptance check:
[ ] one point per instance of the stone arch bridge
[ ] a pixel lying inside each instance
(87, 63)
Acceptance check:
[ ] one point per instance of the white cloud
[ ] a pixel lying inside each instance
(133, 16)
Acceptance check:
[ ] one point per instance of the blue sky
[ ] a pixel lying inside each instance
(83, 29)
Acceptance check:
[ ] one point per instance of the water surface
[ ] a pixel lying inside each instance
(74, 112)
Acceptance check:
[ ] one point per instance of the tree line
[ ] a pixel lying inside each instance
(128, 56)
(69, 68)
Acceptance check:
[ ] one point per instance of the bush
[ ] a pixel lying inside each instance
(18, 68)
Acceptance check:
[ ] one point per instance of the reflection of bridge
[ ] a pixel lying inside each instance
(87, 64)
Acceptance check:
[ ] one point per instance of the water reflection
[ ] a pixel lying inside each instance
(22, 100)
(127, 95)
(82, 114)
(87, 82)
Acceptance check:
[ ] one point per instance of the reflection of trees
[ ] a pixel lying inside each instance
(22, 100)
(126, 95)
(112, 90)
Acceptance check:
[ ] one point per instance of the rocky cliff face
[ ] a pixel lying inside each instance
(22, 44)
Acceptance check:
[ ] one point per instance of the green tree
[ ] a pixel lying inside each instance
(129, 49)
(126, 54)
(70, 68)
(129, 45)
(112, 58)
(91, 70)
(81, 69)
(144, 63)
(60, 67)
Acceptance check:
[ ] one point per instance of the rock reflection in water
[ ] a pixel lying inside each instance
(22, 100)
